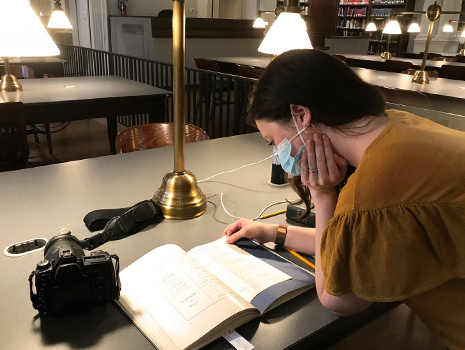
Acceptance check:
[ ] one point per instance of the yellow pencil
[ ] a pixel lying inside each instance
(273, 214)
(300, 257)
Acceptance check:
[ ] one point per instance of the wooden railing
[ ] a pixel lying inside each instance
(216, 102)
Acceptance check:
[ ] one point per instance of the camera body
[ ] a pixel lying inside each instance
(67, 280)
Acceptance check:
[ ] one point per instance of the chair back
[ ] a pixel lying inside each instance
(450, 71)
(406, 97)
(397, 66)
(249, 71)
(14, 148)
(460, 58)
(155, 135)
(340, 58)
(206, 64)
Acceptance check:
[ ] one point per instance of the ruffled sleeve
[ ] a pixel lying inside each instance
(395, 252)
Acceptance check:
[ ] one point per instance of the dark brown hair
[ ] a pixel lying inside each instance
(331, 90)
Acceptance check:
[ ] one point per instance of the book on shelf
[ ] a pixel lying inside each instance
(185, 300)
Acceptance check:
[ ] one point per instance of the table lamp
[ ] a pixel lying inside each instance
(179, 197)
(21, 35)
(413, 27)
(288, 32)
(392, 27)
(371, 27)
(58, 20)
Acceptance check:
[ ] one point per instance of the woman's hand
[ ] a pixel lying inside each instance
(322, 169)
(257, 231)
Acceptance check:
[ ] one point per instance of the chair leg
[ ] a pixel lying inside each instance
(49, 138)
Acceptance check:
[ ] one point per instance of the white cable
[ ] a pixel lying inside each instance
(258, 216)
(230, 171)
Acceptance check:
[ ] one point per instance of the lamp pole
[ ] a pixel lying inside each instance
(433, 13)
(179, 197)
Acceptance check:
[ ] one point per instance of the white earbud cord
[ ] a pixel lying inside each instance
(221, 194)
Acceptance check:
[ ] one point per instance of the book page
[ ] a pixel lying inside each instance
(180, 296)
(243, 272)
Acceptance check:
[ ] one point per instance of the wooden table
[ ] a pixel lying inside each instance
(375, 62)
(35, 202)
(447, 95)
(66, 99)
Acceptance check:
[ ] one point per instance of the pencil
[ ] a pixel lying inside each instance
(273, 214)
(300, 257)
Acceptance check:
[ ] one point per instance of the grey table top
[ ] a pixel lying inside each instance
(52, 90)
(415, 61)
(36, 202)
(440, 86)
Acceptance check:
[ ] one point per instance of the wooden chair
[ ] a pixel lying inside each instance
(340, 58)
(460, 58)
(14, 149)
(26, 72)
(154, 135)
(432, 74)
(249, 71)
(406, 97)
(212, 87)
(397, 66)
(450, 71)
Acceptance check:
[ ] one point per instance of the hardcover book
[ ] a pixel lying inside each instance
(185, 300)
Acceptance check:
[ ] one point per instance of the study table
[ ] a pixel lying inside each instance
(36, 202)
(372, 61)
(76, 98)
(446, 95)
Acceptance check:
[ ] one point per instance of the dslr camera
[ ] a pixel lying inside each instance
(67, 280)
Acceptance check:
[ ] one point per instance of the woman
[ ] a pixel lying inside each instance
(396, 230)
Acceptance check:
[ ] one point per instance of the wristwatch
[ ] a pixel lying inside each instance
(281, 235)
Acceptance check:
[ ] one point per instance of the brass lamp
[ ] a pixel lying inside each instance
(58, 20)
(392, 27)
(179, 197)
(288, 32)
(30, 39)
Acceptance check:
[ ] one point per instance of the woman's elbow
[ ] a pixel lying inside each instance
(345, 305)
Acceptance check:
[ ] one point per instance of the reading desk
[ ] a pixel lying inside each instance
(76, 98)
(36, 202)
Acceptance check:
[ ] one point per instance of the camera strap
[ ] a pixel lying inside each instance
(120, 223)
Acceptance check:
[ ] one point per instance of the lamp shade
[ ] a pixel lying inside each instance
(259, 23)
(463, 34)
(392, 27)
(288, 32)
(371, 27)
(21, 32)
(59, 20)
(413, 28)
(448, 28)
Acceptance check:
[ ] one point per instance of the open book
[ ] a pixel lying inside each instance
(185, 300)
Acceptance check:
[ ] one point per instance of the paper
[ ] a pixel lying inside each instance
(236, 340)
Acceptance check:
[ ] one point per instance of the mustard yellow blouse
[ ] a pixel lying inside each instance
(398, 232)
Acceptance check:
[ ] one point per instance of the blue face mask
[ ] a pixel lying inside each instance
(290, 165)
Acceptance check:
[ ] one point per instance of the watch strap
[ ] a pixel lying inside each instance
(281, 235)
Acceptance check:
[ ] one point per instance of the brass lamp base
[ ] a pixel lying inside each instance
(179, 197)
(9, 83)
(386, 55)
(462, 52)
(420, 77)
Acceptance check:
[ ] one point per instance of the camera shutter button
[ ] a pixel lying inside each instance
(43, 265)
